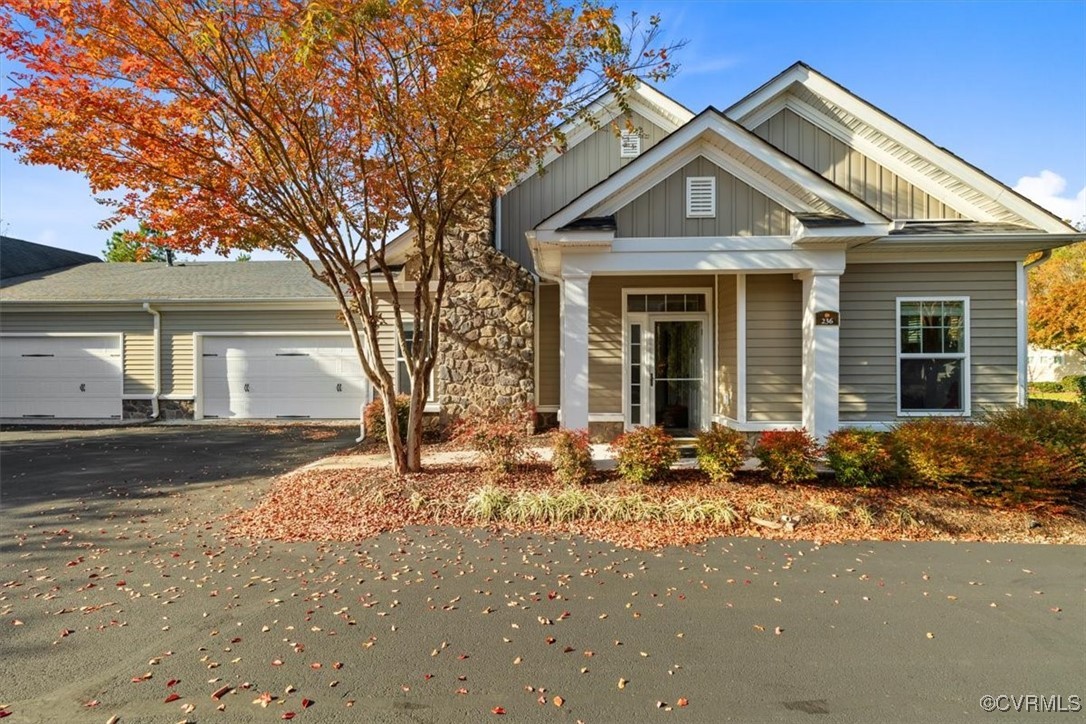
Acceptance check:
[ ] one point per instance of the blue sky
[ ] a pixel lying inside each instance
(1001, 84)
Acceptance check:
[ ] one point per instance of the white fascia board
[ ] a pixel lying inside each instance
(667, 261)
(644, 100)
(851, 235)
(964, 248)
(924, 148)
(739, 111)
(668, 245)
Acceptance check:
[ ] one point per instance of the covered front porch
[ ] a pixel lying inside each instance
(684, 351)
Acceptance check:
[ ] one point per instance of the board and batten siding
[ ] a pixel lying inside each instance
(605, 331)
(178, 373)
(549, 355)
(727, 358)
(869, 327)
(774, 348)
(136, 327)
(740, 210)
(851, 170)
(564, 179)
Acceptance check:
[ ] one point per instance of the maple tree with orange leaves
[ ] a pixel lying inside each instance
(1057, 301)
(319, 129)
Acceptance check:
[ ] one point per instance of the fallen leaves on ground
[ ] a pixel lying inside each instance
(361, 503)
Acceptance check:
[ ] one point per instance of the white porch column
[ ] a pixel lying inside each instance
(821, 342)
(574, 402)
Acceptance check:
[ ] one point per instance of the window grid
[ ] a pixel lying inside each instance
(933, 356)
(665, 303)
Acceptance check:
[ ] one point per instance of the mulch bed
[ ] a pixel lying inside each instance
(360, 503)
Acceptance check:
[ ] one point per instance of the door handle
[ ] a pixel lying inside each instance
(246, 386)
(339, 387)
(83, 387)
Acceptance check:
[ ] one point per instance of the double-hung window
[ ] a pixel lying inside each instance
(933, 356)
(403, 379)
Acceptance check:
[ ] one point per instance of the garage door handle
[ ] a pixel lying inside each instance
(246, 386)
(339, 387)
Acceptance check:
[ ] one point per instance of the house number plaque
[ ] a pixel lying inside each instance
(828, 319)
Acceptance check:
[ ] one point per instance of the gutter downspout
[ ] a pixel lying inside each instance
(158, 358)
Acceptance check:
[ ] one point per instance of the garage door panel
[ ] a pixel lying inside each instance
(281, 376)
(67, 377)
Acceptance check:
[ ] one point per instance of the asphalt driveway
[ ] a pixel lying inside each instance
(120, 595)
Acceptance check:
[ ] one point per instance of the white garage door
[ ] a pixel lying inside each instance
(67, 377)
(281, 376)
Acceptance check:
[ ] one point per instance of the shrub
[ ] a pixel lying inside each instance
(861, 457)
(644, 454)
(1075, 384)
(981, 458)
(571, 459)
(499, 437)
(373, 415)
(1046, 387)
(788, 456)
(721, 452)
(1060, 429)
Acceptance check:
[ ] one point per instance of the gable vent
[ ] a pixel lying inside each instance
(630, 144)
(701, 197)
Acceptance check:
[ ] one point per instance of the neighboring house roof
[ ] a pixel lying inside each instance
(18, 258)
(933, 168)
(159, 282)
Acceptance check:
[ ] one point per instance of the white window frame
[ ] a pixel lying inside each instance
(629, 144)
(692, 213)
(401, 359)
(965, 357)
(708, 392)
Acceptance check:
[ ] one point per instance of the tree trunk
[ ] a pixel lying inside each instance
(414, 426)
(396, 450)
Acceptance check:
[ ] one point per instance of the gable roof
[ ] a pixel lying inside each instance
(920, 161)
(785, 180)
(18, 257)
(158, 281)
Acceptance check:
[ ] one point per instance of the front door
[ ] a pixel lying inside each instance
(666, 359)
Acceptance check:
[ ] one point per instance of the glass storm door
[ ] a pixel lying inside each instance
(665, 373)
(676, 375)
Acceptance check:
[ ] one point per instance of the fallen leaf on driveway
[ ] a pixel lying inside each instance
(497, 710)
(682, 701)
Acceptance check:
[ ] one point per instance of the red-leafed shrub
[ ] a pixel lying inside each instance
(788, 456)
(500, 436)
(721, 452)
(981, 458)
(644, 454)
(862, 457)
(572, 457)
(1061, 429)
(373, 415)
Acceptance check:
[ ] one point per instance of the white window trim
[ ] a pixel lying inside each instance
(965, 357)
(431, 400)
(708, 346)
(629, 144)
(691, 213)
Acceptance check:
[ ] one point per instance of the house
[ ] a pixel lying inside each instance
(801, 258)
(19, 258)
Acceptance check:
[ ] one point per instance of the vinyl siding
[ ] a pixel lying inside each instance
(726, 347)
(564, 179)
(774, 348)
(605, 332)
(549, 352)
(851, 170)
(740, 210)
(868, 329)
(138, 339)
